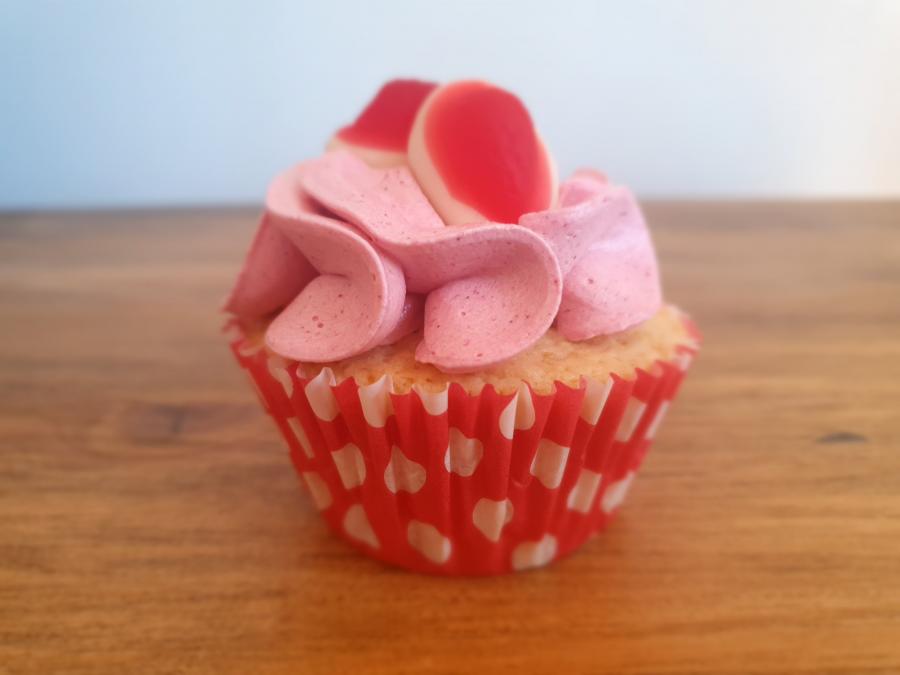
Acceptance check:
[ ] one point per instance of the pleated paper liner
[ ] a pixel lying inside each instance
(461, 484)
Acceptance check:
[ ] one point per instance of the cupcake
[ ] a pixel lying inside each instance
(467, 358)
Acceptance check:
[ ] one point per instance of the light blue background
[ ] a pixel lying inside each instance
(191, 102)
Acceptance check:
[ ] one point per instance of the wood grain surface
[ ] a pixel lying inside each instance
(150, 521)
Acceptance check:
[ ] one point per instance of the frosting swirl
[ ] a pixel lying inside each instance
(349, 257)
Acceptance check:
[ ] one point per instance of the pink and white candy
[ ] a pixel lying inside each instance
(476, 154)
(380, 135)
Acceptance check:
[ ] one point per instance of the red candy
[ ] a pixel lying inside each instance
(386, 122)
(482, 146)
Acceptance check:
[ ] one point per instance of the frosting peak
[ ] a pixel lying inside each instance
(492, 289)
(350, 256)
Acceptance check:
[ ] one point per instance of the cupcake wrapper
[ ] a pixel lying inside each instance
(453, 483)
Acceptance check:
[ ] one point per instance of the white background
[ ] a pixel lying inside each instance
(201, 101)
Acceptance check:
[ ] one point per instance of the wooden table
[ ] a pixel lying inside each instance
(150, 521)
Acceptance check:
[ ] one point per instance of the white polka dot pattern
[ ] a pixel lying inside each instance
(615, 494)
(683, 360)
(403, 474)
(249, 348)
(634, 410)
(428, 541)
(321, 398)
(582, 494)
(434, 402)
(356, 524)
(549, 463)
(375, 400)
(350, 465)
(535, 500)
(278, 369)
(530, 554)
(318, 489)
(463, 453)
(595, 396)
(300, 435)
(490, 517)
(518, 413)
(656, 421)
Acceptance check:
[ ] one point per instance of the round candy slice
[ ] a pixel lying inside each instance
(380, 134)
(477, 156)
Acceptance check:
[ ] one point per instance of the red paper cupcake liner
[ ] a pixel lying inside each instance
(461, 484)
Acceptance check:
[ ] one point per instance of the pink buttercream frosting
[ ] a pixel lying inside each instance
(348, 257)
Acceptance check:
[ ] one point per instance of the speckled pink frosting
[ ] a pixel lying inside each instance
(349, 257)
